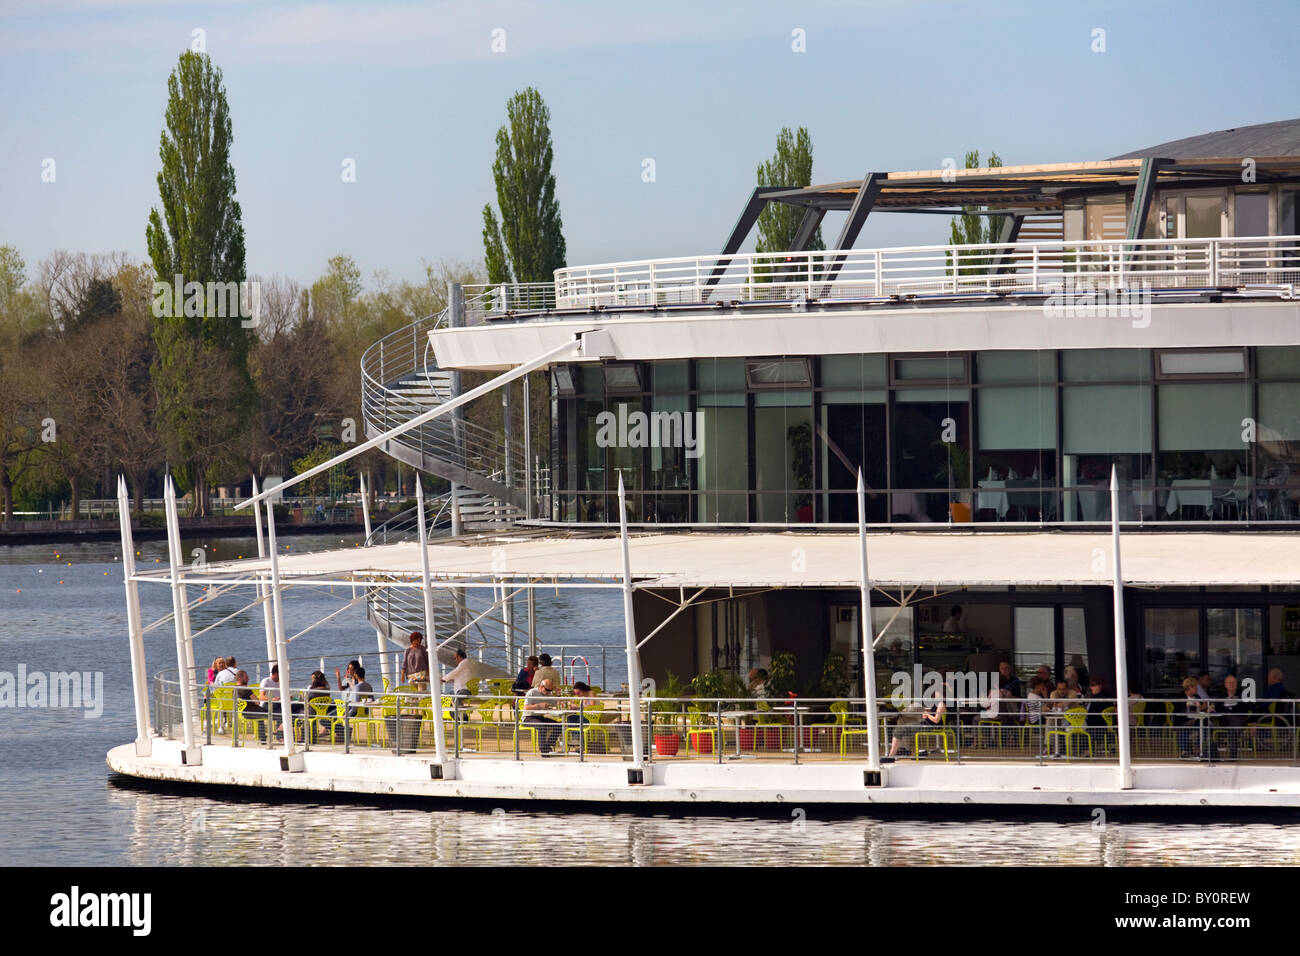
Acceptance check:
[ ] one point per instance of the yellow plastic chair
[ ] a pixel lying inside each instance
(592, 714)
(1076, 717)
(700, 722)
(222, 707)
(248, 726)
(842, 719)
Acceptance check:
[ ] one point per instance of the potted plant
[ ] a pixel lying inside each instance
(799, 438)
(663, 716)
(719, 684)
(955, 470)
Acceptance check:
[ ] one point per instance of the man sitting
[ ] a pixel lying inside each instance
(536, 708)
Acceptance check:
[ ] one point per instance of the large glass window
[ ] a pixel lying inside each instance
(1105, 425)
(1201, 451)
(931, 453)
(1277, 488)
(1035, 641)
(1016, 466)
(1234, 639)
(783, 456)
(1172, 650)
(723, 465)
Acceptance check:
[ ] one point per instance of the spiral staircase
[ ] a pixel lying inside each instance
(400, 380)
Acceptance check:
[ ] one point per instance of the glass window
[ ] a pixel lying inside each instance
(1171, 649)
(1106, 419)
(1106, 365)
(1017, 460)
(1204, 216)
(1202, 363)
(1074, 640)
(622, 378)
(922, 458)
(783, 463)
(1278, 361)
(1278, 443)
(718, 374)
(937, 368)
(766, 373)
(723, 465)
(1017, 418)
(1015, 367)
(1035, 641)
(893, 633)
(669, 376)
(1202, 416)
(1251, 214)
(1288, 219)
(1235, 644)
(853, 371)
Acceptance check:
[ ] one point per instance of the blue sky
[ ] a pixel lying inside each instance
(414, 93)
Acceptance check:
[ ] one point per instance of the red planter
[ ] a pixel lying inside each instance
(702, 743)
(667, 745)
(746, 737)
(769, 737)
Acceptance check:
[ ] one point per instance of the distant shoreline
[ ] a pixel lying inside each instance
(95, 529)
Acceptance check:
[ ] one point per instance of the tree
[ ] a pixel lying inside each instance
(202, 242)
(527, 245)
(971, 228)
(790, 166)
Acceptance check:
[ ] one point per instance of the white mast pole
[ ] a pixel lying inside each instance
(288, 761)
(1121, 656)
(365, 506)
(629, 630)
(139, 669)
(430, 631)
(181, 621)
(267, 621)
(868, 635)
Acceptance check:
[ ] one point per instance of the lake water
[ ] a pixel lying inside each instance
(62, 608)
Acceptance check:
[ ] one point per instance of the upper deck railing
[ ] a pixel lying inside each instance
(1265, 265)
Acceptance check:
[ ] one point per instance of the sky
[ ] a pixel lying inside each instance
(413, 94)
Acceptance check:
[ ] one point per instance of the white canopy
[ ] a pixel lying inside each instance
(791, 559)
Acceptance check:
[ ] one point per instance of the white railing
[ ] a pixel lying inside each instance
(1269, 264)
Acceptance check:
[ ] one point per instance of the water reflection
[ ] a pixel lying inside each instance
(195, 830)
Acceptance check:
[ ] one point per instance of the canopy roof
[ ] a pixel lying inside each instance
(791, 559)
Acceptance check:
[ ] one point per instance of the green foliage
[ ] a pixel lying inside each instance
(835, 677)
(781, 675)
(670, 688)
(13, 275)
(527, 245)
(100, 299)
(971, 228)
(719, 683)
(333, 482)
(799, 438)
(790, 166)
(199, 236)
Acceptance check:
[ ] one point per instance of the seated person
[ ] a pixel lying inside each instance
(547, 672)
(1232, 714)
(582, 691)
(536, 710)
(1186, 718)
(356, 689)
(1033, 709)
(525, 678)
(914, 721)
(758, 682)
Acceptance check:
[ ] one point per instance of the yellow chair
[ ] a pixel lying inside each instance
(248, 726)
(1076, 717)
(699, 722)
(221, 707)
(842, 719)
(592, 714)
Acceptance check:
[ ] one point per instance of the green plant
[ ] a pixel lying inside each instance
(955, 468)
(663, 711)
(781, 675)
(719, 683)
(835, 677)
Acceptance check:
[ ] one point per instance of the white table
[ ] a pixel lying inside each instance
(993, 495)
(1189, 492)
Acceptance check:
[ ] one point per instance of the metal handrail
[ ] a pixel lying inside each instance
(1040, 267)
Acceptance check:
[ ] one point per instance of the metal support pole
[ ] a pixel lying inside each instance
(868, 636)
(1121, 657)
(532, 622)
(139, 677)
(181, 619)
(385, 669)
(261, 584)
(430, 630)
(365, 507)
(528, 451)
(629, 630)
(290, 760)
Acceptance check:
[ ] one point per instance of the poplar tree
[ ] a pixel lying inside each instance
(790, 166)
(527, 243)
(199, 236)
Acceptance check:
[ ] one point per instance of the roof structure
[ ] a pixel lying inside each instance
(776, 559)
(1263, 139)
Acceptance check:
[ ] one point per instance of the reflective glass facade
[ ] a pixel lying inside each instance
(1194, 435)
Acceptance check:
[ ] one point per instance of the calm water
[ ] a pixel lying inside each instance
(62, 608)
